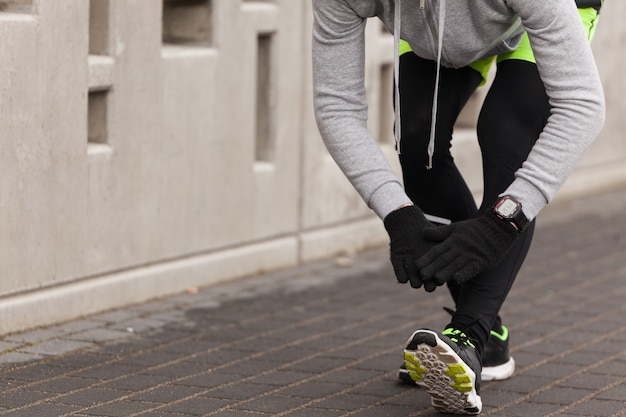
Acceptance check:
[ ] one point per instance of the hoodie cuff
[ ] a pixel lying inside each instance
(387, 198)
(532, 199)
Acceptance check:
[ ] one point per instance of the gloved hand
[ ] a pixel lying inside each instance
(466, 248)
(405, 227)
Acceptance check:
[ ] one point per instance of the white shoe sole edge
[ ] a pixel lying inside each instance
(500, 372)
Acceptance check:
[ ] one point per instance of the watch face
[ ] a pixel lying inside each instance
(507, 208)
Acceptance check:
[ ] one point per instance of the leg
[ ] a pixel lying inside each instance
(447, 365)
(440, 191)
(514, 113)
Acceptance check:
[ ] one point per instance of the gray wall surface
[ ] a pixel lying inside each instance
(153, 146)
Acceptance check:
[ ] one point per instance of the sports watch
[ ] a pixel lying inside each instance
(509, 209)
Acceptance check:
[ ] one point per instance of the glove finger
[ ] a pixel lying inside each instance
(413, 273)
(438, 233)
(451, 270)
(400, 271)
(431, 255)
(468, 271)
(442, 261)
(430, 286)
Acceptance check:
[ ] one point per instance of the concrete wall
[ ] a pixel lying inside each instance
(156, 145)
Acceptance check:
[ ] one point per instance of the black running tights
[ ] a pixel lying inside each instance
(513, 114)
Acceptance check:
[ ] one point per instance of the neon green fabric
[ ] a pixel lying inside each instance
(483, 66)
(404, 47)
(524, 52)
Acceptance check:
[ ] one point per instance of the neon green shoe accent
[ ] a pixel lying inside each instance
(462, 381)
(458, 336)
(502, 336)
(416, 370)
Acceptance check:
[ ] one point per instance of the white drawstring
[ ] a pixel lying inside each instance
(431, 143)
(397, 26)
(397, 23)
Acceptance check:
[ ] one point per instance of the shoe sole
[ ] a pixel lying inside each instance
(499, 372)
(489, 373)
(436, 368)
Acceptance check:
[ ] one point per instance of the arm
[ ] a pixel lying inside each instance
(341, 112)
(341, 105)
(568, 71)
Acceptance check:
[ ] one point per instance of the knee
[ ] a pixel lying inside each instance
(416, 129)
(505, 139)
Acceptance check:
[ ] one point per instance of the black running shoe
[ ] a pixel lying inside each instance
(447, 366)
(498, 364)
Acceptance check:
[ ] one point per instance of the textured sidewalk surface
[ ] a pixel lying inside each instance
(326, 339)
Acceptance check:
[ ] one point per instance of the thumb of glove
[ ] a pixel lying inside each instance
(438, 233)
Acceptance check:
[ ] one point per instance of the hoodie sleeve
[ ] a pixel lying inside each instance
(568, 71)
(341, 105)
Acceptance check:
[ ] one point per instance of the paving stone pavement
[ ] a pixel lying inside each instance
(325, 339)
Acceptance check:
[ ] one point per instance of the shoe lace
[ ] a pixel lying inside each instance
(459, 337)
(502, 335)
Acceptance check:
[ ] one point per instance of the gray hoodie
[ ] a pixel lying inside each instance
(473, 29)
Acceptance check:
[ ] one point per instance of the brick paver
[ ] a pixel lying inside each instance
(325, 340)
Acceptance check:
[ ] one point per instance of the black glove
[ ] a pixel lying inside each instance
(405, 227)
(467, 248)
